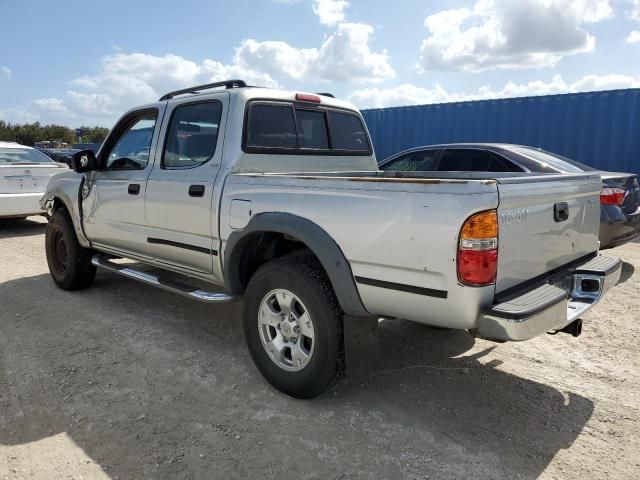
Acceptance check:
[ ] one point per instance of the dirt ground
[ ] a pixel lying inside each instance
(124, 381)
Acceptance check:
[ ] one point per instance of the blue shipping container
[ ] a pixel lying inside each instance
(601, 129)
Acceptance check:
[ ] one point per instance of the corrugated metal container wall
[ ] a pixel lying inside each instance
(601, 129)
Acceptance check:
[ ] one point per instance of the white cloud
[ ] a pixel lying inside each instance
(401, 95)
(635, 11)
(634, 37)
(18, 115)
(505, 34)
(345, 55)
(330, 12)
(126, 80)
(95, 105)
(276, 57)
(634, 14)
(146, 77)
(51, 104)
(6, 71)
(413, 95)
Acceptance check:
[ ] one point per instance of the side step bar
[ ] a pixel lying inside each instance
(102, 261)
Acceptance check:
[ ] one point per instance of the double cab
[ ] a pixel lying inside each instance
(275, 198)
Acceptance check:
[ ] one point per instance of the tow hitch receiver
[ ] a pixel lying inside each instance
(574, 328)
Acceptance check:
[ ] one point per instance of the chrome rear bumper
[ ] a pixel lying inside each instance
(550, 306)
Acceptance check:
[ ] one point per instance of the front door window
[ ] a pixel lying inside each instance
(131, 151)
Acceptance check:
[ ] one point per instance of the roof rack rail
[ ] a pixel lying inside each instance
(227, 84)
(326, 95)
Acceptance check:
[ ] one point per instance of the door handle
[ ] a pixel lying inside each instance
(561, 211)
(133, 189)
(196, 191)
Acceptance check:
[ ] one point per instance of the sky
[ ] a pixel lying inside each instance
(85, 63)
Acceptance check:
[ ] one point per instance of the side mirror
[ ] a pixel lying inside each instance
(84, 161)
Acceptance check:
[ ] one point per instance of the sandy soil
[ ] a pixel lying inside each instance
(126, 382)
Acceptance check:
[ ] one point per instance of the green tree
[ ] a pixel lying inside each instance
(29, 133)
(94, 134)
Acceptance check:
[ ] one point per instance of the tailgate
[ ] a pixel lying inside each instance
(27, 178)
(545, 223)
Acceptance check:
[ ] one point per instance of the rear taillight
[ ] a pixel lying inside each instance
(612, 196)
(478, 249)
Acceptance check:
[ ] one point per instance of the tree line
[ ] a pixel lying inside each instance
(29, 133)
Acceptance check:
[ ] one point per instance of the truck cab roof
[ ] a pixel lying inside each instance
(245, 93)
(272, 130)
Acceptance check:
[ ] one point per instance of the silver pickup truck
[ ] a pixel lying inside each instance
(275, 197)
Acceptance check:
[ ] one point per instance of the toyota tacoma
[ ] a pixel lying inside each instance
(275, 198)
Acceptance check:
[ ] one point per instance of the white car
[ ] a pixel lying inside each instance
(24, 175)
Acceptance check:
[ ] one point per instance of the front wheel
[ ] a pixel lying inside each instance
(69, 263)
(293, 326)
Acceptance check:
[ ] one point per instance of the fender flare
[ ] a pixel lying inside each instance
(66, 202)
(319, 242)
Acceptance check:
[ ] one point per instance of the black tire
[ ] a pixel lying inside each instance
(69, 263)
(305, 278)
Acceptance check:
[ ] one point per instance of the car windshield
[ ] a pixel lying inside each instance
(22, 156)
(543, 161)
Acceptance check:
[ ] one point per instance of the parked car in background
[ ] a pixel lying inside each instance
(60, 155)
(619, 199)
(94, 147)
(24, 175)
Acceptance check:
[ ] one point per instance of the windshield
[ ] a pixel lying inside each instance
(22, 156)
(543, 161)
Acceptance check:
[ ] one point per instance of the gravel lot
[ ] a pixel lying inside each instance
(125, 381)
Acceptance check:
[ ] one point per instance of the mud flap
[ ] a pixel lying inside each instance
(361, 347)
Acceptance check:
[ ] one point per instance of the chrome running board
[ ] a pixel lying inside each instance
(102, 261)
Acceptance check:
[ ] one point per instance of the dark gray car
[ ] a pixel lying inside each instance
(619, 200)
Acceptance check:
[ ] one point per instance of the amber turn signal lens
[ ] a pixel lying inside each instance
(481, 225)
(478, 250)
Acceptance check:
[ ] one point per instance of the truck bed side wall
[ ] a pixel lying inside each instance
(402, 234)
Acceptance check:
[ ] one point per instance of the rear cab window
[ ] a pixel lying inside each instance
(287, 128)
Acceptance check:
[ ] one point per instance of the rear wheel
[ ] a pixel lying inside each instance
(293, 326)
(69, 263)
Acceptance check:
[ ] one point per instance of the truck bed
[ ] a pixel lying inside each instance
(402, 229)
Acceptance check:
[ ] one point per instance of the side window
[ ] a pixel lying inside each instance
(347, 132)
(413, 162)
(131, 151)
(192, 135)
(500, 164)
(462, 160)
(271, 126)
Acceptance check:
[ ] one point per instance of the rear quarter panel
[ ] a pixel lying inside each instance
(400, 232)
